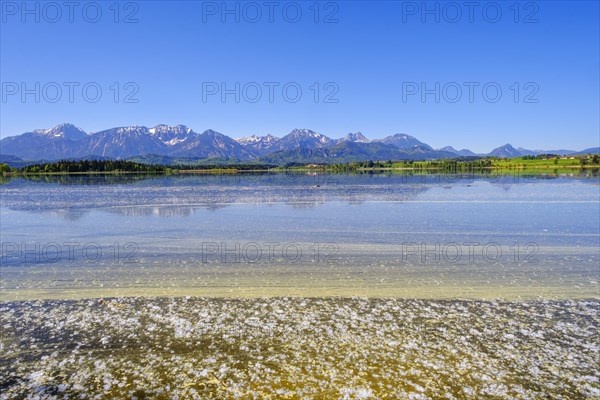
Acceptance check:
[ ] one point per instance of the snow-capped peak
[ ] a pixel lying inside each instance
(255, 139)
(307, 133)
(248, 139)
(64, 130)
(177, 129)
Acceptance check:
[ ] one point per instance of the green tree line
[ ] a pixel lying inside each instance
(92, 166)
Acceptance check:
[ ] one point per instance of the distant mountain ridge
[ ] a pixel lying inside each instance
(353, 137)
(302, 138)
(66, 141)
(462, 152)
(508, 151)
(258, 144)
(404, 141)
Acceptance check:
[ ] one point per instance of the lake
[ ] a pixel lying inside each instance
(256, 235)
(348, 286)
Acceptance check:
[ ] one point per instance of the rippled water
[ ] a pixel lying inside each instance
(295, 348)
(434, 236)
(315, 286)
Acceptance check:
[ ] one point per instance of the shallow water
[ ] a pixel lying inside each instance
(329, 348)
(245, 286)
(429, 236)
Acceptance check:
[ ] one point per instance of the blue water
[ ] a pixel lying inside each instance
(253, 221)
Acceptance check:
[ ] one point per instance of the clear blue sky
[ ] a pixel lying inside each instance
(375, 54)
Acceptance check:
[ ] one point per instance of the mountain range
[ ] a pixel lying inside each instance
(66, 141)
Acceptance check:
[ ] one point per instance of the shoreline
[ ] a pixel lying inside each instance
(325, 170)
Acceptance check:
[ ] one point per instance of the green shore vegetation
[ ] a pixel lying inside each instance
(525, 164)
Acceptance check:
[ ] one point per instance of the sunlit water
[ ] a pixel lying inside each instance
(300, 286)
(434, 236)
